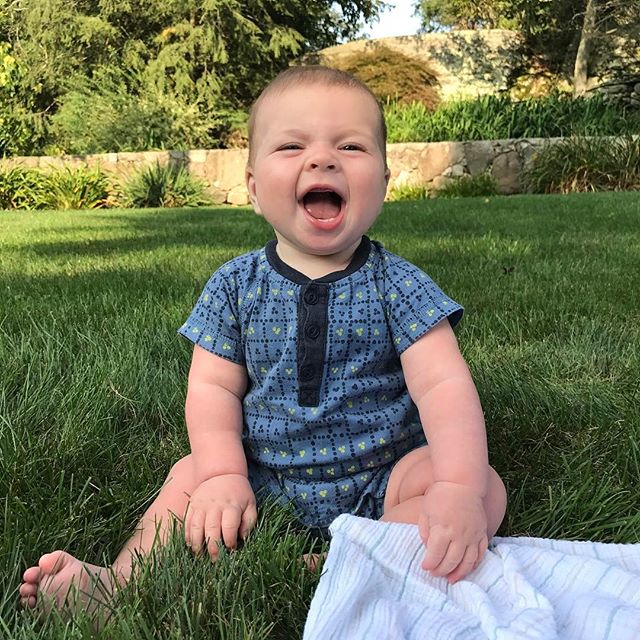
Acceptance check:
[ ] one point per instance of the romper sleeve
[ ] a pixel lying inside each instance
(213, 323)
(414, 303)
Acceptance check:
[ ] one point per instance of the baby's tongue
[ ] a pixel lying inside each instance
(322, 205)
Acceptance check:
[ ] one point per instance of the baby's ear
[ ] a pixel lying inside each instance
(251, 188)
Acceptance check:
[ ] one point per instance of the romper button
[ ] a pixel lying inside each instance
(313, 331)
(306, 372)
(306, 397)
(311, 296)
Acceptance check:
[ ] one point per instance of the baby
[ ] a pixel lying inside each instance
(323, 364)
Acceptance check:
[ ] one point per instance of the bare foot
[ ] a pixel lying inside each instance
(63, 582)
(314, 560)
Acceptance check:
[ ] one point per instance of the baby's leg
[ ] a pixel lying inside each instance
(59, 574)
(412, 476)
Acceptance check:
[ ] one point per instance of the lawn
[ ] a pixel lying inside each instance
(93, 376)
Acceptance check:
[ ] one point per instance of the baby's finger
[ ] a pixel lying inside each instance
(249, 519)
(196, 531)
(453, 557)
(466, 565)
(483, 545)
(231, 518)
(212, 532)
(436, 551)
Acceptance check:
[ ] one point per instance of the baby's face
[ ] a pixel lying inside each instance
(318, 173)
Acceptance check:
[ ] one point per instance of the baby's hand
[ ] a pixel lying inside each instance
(220, 509)
(453, 526)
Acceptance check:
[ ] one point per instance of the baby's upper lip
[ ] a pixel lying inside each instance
(321, 187)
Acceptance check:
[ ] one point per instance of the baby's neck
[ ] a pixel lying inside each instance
(315, 266)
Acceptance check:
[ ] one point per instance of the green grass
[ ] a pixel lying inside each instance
(93, 379)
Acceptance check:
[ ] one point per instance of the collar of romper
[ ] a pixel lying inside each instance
(360, 256)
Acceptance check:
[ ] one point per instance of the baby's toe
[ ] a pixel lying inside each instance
(55, 561)
(32, 575)
(28, 602)
(28, 589)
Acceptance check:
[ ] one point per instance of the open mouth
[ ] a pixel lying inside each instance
(322, 204)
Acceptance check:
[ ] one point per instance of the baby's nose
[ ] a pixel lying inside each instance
(322, 165)
(322, 160)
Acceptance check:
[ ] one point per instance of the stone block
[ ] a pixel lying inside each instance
(440, 181)
(224, 168)
(506, 172)
(217, 196)
(55, 163)
(238, 196)
(479, 155)
(527, 151)
(178, 157)
(27, 162)
(196, 156)
(437, 157)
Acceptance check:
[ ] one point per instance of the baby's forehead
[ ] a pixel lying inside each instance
(304, 92)
(286, 93)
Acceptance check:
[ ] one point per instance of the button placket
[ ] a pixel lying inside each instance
(312, 328)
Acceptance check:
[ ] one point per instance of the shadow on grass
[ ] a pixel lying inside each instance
(222, 228)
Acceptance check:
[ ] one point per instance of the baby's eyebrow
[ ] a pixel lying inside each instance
(338, 134)
(294, 133)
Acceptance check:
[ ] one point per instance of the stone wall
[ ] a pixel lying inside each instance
(415, 163)
(466, 63)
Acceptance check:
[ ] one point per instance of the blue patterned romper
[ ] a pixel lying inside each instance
(327, 413)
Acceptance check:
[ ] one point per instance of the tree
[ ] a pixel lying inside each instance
(562, 33)
(210, 55)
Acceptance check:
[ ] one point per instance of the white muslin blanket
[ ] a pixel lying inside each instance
(372, 586)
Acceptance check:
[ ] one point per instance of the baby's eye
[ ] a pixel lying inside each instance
(290, 146)
(352, 147)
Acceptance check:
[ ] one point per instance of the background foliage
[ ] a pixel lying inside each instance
(558, 33)
(168, 64)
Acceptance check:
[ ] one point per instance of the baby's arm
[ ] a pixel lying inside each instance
(223, 504)
(453, 522)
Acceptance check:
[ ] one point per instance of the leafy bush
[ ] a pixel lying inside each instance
(22, 188)
(408, 191)
(80, 188)
(126, 116)
(76, 189)
(499, 117)
(165, 186)
(468, 187)
(392, 76)
(585, 164)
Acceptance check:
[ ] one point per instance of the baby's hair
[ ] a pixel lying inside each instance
(309, 75)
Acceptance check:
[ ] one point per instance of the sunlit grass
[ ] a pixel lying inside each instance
(93, 376)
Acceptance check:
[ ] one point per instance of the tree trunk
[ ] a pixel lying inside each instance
(581, 67)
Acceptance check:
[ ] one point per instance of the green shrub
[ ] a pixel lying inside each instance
(408, 191)
(126, 116)
(22, 188)
(468, 187)
(585, 164)
(66, 188)
(79, 188)
(500, 117)
(165, 186)
(392, 76)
